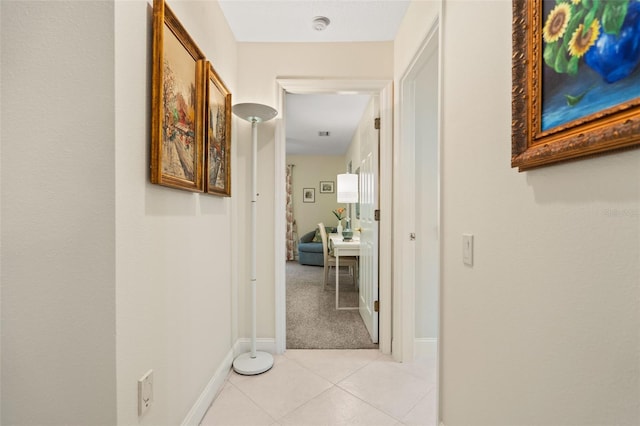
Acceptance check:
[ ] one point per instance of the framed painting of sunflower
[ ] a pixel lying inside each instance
(576, 79)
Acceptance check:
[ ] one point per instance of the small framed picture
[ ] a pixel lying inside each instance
(327, 187)
(308, 195)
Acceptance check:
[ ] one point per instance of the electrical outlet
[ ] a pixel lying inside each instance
(145, 393)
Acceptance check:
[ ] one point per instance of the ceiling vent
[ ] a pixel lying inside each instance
(323, 133)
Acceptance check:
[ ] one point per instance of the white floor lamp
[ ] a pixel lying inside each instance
(253, 362)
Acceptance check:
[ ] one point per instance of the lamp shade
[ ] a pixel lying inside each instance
(254, 112)
(347, 188)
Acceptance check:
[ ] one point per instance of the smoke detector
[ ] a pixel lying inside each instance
(320, 23)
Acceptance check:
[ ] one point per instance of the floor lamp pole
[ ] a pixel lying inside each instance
(254, 212)
(253, 362)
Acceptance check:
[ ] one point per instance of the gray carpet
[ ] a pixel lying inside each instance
(312, 320)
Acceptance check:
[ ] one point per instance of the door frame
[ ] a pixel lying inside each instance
(404, 187)
(383, 88)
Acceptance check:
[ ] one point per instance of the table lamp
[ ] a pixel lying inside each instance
(347, 192)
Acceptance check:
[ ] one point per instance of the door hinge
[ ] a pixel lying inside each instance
(376, 215)
(376, 124)
(376, 306)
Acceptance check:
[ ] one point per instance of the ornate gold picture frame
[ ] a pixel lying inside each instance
(177, 104)
(217, 135)
(570, 98)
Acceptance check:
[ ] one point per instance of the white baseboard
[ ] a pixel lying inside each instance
(244, 345)
(424, 347)
(199, 409)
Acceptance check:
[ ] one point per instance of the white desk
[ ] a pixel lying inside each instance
(343, 248)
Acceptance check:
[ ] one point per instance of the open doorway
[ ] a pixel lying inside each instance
(326, 134)
(382, 90)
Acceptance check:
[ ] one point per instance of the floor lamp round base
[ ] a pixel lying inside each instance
(245, 365)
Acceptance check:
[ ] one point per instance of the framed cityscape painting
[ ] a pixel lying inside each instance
(177, 104)
(576, 79)
(217, 136)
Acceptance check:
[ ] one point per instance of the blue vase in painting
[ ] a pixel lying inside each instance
(616, 57)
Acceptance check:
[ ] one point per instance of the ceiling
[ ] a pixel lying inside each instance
(307, 115)
(291, 21)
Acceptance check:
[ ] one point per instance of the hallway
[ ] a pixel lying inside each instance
(330, 387)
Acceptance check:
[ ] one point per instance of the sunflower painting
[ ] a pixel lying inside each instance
(591, 52)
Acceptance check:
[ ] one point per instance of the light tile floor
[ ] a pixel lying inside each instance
(329, 387)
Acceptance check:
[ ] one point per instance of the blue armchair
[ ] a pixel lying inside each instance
(310, 251)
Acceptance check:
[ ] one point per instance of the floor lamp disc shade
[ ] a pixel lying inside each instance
(253, 362)
(254, 112)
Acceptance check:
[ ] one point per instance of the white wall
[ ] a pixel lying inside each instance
(309, 170)
(104, 275)
(416, 23)
(174, 252)
(353, 152)
(544, 328)
(353, 156)
(259, 64)
(58, 213)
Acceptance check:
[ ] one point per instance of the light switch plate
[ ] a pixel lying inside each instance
(145, 393)
(467, 249)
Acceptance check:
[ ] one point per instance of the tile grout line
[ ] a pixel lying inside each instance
(419, 401)
(305, 402)
(248, 397)
(380, 408)
(336, 385)
(369, 404)
(379, 357)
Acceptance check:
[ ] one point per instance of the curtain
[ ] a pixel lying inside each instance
(291, 223)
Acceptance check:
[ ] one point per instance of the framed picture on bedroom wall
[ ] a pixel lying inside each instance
(576, 79)
(308, 195)
(327, 187)
(177, 104)
(217, 169)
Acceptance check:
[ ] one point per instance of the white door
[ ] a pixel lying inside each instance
(369, 184)
(426, 201)
(417, 206)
